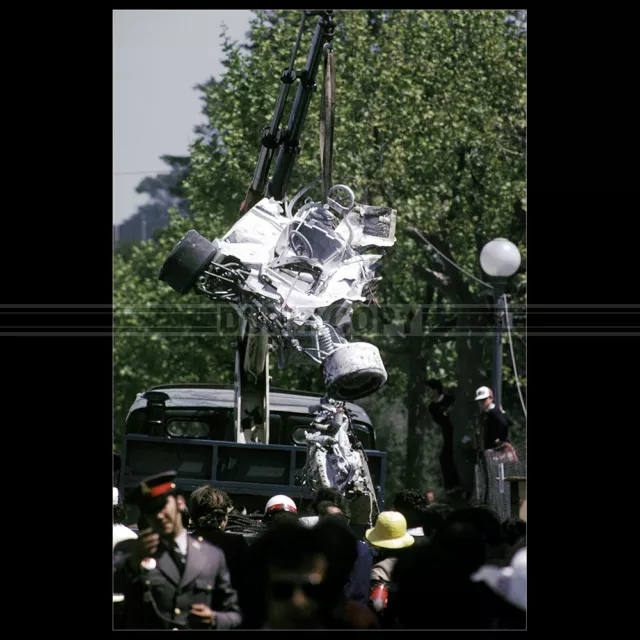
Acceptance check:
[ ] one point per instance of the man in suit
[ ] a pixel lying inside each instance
(171, 580)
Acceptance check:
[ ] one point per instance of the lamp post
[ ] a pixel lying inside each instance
(499, 259)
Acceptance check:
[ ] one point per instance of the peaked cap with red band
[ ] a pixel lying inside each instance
(151, 494)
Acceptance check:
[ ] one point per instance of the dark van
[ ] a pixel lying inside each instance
(190, 428)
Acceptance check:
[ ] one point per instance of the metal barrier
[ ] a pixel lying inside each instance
(492, 481)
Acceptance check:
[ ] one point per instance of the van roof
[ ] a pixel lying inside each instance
(217, 395)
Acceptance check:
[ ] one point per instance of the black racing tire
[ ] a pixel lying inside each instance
(354, 371)
(186, 262)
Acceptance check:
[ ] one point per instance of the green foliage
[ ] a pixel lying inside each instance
(431, 120)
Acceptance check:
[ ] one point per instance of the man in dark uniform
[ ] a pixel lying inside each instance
(439, 408)
(171, 580)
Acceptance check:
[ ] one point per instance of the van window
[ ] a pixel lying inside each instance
(203, 424)
(187, 428)
(217, 424)
(240, 464)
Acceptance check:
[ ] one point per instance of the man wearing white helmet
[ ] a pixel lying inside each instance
(495, 443)
(279, 505)
(496, 421)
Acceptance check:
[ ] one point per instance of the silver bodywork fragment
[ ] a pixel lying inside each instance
(286, 274)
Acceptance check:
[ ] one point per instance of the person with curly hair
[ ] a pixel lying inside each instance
(209, 512)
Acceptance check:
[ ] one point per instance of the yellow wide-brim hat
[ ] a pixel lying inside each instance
(390, 531)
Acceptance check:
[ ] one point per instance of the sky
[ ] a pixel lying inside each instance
(158, 58)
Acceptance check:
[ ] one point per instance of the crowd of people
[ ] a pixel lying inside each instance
(197, 562)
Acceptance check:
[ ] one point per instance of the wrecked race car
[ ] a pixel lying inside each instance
(295, 277)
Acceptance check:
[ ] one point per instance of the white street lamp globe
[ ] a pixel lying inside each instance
(500, 258)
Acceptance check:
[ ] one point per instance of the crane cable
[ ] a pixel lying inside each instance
(327, 119)
(513, 357)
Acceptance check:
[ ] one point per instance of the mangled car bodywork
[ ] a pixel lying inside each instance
(296, 277)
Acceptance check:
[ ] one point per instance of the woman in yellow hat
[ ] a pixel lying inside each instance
(388, 538)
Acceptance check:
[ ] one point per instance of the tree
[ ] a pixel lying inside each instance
(430, 120)
(166, 194)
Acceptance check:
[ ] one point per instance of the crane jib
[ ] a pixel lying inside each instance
(288, 141)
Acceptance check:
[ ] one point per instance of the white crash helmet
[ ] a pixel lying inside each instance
(281, 502)
(509, 582)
